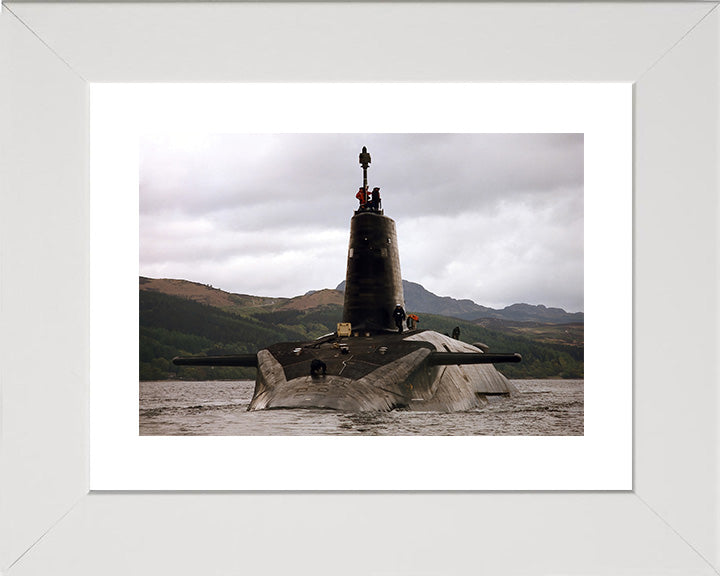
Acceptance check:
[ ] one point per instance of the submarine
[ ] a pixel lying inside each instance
(372, 362)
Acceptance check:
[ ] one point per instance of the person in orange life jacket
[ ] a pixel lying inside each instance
(361, 196)
(412, 320)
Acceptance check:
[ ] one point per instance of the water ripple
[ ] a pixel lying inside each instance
(219, 408)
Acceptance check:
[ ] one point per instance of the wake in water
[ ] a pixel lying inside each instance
(219, 408)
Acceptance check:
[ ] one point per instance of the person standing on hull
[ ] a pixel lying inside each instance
(412, 320)
(399, 316)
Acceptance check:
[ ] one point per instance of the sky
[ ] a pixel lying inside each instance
(494, 218)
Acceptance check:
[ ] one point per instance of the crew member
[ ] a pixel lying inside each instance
(362, 196)
(412, 321)
(399, 316)
(376, 199)
(456, 333)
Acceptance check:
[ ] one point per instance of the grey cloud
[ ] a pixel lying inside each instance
(500, 213)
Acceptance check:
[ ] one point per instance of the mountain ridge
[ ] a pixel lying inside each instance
(417, 299)
(180, 318)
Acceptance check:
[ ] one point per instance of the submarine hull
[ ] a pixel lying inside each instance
(380, 372)
(377, 368)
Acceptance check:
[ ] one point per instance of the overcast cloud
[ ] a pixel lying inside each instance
(496, 218)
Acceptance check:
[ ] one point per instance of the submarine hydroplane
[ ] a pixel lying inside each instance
(371, 363)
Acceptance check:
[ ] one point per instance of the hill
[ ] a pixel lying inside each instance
(206, 294)
(567, 334)
(420, 300)
(172, 326)
(238, 303)
(183, 318)
(314, 299)
(417, 299)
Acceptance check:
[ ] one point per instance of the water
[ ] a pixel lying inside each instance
(219, 408)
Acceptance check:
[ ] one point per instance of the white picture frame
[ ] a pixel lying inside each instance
(668, 523)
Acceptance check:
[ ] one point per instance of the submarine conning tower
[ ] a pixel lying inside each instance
(373, 283)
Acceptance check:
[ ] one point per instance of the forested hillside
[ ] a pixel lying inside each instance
(172, 325)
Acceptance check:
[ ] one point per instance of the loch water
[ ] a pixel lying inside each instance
(219, 408)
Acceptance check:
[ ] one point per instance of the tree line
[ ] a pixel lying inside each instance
(172, 326)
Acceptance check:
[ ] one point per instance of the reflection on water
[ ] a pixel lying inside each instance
(219, 408)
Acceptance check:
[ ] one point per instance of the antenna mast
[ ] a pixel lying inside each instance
(364, 161)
